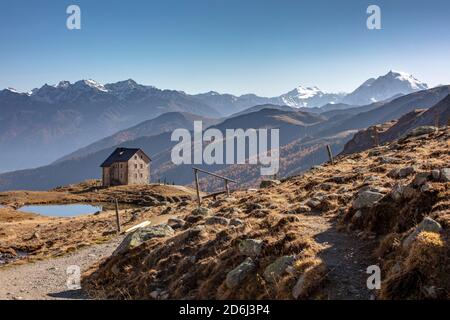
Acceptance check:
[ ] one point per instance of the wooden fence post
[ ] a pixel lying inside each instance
(117, 217)
(436, 120)
(227, 188)
(197, 185)
(330, 154)
(376, 137)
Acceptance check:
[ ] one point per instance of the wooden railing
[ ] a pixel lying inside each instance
(197, 184)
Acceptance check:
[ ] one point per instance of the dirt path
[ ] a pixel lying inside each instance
(347, 258)
(47, 279)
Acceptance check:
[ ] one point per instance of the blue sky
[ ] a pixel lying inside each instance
(266, 47)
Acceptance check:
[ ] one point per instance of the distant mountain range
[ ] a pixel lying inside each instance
(303, 136)
(40, 126)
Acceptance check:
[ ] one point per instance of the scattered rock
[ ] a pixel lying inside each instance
(176, 223)
(421, 178)
(436, 174)
(136, 238)
(236, 222)
(201, 211)
(374, 153)
(240, 273)
(404, 172)
(444, 175)
(367, 199)
(427, 225)
(393, 173)
(269, 183)
(218, 220)
(250, 247)
(300, 209)
(313, 203)
(420, 131)
(276, 269)
(388, 160)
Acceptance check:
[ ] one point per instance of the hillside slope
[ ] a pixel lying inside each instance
(365, 139)
(309, 237)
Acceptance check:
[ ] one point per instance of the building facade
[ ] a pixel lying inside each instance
(126, 166)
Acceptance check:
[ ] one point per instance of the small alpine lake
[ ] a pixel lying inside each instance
(62, 210)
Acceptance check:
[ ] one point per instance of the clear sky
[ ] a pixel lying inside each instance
(266, 47)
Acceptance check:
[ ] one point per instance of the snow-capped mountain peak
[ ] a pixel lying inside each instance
(63, 84)
(406, 77)
(95, 85)
(308, 97)
(384, 87)
(308, 92)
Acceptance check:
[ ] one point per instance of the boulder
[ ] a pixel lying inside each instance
(201, 211)
(393, 173)
(269, 183)
(436, 174)
(240, 273)
(421, 178)
(444, 175)
(218, 220)
(313, 203)
(404, 172)
(420, 131)
(276, 269)
(139, 236)
(250, 247)
(427, 225)
(299, 288)
(367, 199)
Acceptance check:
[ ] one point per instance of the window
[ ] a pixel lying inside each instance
(135, 175)
(141, 175)
(135, 165)
(142, 166)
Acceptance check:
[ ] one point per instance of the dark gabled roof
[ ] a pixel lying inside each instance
(122, 155)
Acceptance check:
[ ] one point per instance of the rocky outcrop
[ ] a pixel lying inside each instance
(240, 273)
(138, 237)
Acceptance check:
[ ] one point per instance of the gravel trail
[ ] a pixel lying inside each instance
(46, 279)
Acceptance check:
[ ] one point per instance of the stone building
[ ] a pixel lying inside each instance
(126, 166)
